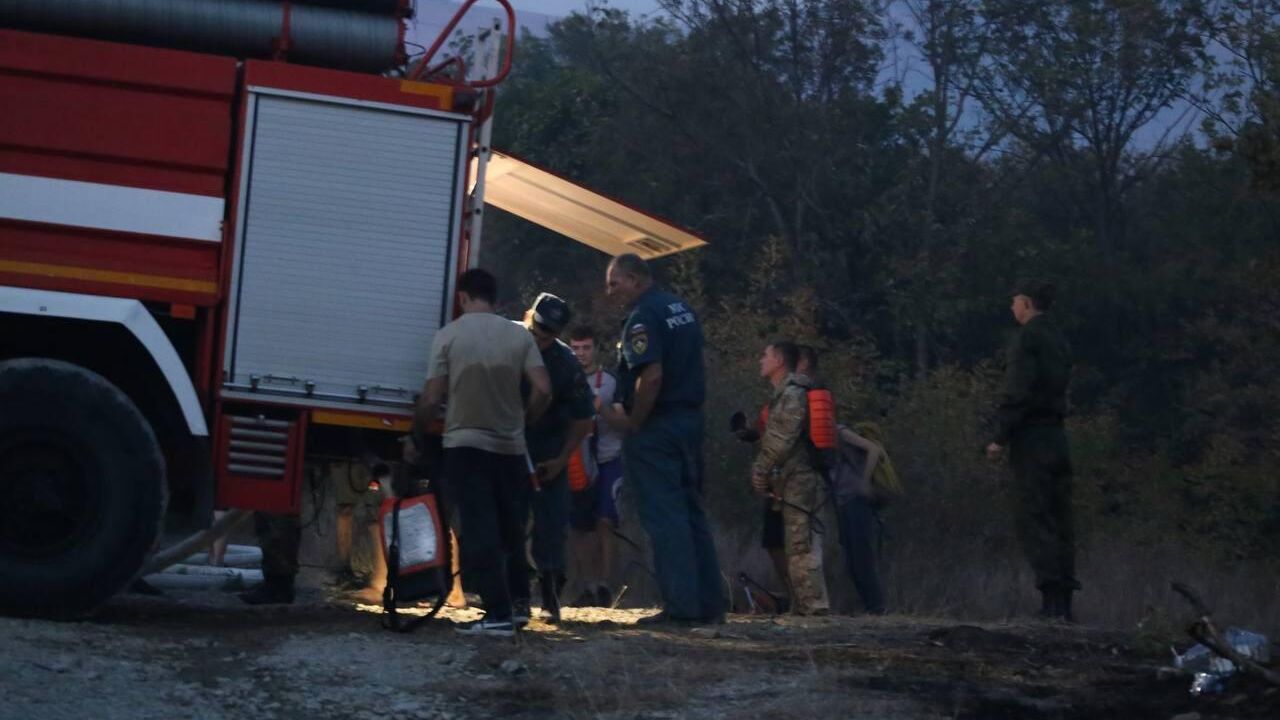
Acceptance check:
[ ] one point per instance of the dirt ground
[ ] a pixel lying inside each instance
(205, 655)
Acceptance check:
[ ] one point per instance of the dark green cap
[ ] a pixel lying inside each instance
(1040, 291)
(551, 313)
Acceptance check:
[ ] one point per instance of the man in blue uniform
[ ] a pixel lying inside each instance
(551, 441)
(663, 383)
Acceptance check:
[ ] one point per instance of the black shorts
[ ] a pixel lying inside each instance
(772, 536)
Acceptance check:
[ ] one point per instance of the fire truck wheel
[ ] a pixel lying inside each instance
(82, 488)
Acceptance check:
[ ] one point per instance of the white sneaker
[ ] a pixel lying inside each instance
(492, 628)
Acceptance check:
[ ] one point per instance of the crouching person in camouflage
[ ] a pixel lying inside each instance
(784, 469)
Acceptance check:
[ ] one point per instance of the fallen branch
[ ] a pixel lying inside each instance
(199, 541)
(1206, 633)
(1193, 597)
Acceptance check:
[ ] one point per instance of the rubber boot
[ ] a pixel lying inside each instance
(550, 597)
(1049, 603)
(1064, 605)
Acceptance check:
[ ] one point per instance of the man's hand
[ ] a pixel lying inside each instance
(409, 451)
(550, 469)
(760, 484)
(994, 451)
(615, 417)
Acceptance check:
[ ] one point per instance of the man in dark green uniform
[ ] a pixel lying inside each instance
(280, 537)
(663, 383)
(551, 441)
(1033, 401)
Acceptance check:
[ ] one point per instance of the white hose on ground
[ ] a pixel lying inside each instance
(181, 577)
(241, 556)
(199, 541)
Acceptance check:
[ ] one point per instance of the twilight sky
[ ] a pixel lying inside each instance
(533, 14)
(901, 64)
(564, 7)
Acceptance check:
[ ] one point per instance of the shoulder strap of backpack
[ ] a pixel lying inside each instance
(390, 619)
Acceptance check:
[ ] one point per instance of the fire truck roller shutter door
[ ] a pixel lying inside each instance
(347, 236)
(82, 488)
(133, 316)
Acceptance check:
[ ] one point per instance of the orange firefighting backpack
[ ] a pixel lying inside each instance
(579, 476)
(822, 432)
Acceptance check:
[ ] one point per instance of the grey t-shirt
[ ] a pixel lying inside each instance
(484, 356)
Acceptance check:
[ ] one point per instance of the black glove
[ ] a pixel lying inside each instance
(738, 426)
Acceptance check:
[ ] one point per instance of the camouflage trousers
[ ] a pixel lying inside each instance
(280, 537)
(801, 492)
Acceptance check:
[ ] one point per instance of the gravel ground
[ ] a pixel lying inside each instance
(192, 654)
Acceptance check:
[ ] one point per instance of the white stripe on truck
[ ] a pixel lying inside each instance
(110, 207)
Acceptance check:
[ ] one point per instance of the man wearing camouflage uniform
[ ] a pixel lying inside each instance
(1033, 401)
(280, 537)
(784, 469)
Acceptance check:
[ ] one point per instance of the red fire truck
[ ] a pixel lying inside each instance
(224, 226)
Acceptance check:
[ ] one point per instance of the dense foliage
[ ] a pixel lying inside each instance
(1128, 150)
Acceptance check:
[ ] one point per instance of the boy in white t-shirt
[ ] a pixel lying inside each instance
(594, 516)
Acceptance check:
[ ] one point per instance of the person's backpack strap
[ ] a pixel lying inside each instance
(390, 619)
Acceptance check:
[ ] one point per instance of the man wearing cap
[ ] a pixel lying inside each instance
(552, 439)
(663, 382)
(1033, 401)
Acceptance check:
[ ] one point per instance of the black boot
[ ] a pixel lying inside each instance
(1049, 603)
(271, 592)
(1064, 605)
(550, 597)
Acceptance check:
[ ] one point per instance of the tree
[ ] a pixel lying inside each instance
(1077, 80)
(947, 35)
(770, 96)
(1242, 99)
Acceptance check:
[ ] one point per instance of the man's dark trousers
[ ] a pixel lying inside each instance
(491, 493)
(551, 524)
(663, 462)
(1041, 463)
(859, 534)
(280, 537)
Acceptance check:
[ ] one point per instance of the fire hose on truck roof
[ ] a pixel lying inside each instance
(359, 35)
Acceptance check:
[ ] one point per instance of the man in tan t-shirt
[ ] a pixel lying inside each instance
(479, 360)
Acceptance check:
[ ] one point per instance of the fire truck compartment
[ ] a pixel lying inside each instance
(347, 231)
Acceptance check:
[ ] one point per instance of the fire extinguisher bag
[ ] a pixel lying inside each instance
(414, 543)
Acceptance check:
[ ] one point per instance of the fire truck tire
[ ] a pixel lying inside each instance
(82, 489)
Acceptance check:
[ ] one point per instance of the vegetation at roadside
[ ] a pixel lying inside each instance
(1125, 149)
